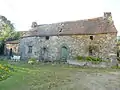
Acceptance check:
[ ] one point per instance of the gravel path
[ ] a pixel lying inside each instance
(94, 81)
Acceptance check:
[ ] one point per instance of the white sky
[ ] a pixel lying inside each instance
(23, 12)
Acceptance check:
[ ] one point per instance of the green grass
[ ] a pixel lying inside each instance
(37, 77)
(42, 77)
(14, 82)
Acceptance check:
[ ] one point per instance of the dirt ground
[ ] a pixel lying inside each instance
(94, 81)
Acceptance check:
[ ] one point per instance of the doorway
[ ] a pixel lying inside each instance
(64, 53)
(11, 52)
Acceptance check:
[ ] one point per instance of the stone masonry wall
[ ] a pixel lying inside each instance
(76, 44)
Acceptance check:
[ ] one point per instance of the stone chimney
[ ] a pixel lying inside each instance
(108, 17)
(34, 24)
(107, 14)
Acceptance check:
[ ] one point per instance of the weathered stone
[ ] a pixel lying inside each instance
(89, 64)
(75, 46)
(113, 59)
(76, 63)
(103, 64)
(118, 65)
(66, 40)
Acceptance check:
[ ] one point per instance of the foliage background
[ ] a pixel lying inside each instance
(7, 32)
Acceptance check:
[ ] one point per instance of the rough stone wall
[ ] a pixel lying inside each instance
(76, 44)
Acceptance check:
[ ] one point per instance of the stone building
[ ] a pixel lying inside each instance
(66, 40)
(13, 45)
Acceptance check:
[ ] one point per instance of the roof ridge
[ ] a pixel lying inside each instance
(96, 18)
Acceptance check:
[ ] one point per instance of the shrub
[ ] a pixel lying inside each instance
(32, 61)
(93, 59)
(79, 57)
(5, 71)
(89, 58)
(99, 59)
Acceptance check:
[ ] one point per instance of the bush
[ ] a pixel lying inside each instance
(79, 57)
(93, 59)
(89, 58)
(99, 59)
(5, 71)
(32, 61)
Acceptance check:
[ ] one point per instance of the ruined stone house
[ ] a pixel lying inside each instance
(13, 44)
(66, 40)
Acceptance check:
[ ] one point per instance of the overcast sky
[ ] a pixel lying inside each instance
(23, 12)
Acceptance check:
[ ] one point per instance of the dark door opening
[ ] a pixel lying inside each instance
(11, 53)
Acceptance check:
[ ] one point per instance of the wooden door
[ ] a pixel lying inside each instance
(64, 53)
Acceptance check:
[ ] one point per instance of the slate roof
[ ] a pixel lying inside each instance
(97, 25)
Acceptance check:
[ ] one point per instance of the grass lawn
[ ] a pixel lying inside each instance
(37, 77)
(51, 77)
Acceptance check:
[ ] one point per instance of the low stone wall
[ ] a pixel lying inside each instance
(90, 64)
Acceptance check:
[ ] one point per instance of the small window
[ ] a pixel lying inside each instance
(44, 49)
(118, 54)
(60, 30)
(47, 37)
(29, 49)
(91, 37)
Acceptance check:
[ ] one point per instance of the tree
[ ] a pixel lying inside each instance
(7, 31)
